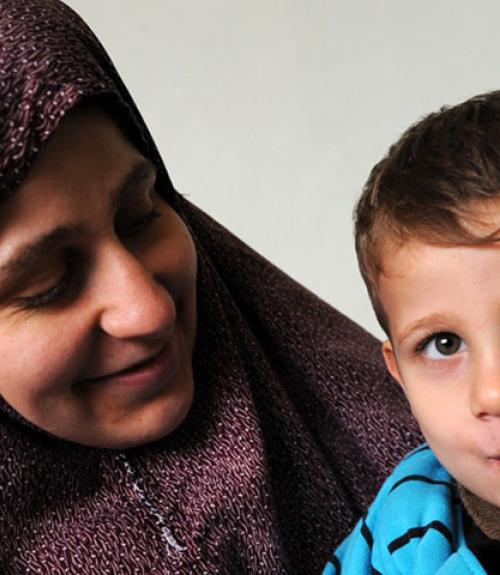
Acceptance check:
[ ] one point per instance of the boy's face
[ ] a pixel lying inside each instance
(443, 310)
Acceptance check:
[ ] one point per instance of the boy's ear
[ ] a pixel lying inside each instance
(390, 361)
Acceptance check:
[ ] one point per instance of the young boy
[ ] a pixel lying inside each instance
(428, 245)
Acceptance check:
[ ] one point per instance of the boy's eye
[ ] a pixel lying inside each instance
(441, 345)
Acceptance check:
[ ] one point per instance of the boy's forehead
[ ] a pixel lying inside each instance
(407, 282)
(425, 280)
(480, 225)
(420, 262)
(396, 255)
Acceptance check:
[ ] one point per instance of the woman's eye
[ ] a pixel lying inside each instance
(137, 226)
(55, 293)
(442, 345)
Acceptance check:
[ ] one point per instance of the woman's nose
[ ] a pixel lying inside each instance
(133, 304)
(485, 394)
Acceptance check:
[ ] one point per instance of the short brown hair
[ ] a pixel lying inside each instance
(428, 183)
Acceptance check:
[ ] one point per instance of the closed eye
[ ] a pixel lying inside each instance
(57, 292)
(73, 265)
(139, 225)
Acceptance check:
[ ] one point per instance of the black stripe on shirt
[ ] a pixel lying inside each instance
(336, 563)
(415, 532)
(423, 479)
(367, 535)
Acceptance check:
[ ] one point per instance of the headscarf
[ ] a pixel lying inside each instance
(294, 423)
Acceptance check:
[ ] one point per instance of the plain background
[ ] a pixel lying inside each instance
(270, 113)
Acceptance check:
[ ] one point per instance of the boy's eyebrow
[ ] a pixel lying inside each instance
(30, 252)
(428, 322)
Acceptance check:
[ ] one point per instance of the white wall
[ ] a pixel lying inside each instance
(270, 113)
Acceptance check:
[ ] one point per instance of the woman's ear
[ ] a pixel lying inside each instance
(390, 361)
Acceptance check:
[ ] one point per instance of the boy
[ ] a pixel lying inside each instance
(428, 244)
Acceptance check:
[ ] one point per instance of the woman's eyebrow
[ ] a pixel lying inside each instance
(29, 253)
(141, 171)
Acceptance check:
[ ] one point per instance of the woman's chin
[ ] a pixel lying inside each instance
(152, 423)
(123, 426)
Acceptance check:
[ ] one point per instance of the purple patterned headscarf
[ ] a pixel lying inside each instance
(294, 423)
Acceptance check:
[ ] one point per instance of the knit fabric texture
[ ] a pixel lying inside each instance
(295, 422)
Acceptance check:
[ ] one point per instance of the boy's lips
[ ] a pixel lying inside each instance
(494, 462)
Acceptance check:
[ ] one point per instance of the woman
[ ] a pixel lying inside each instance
(171, 402)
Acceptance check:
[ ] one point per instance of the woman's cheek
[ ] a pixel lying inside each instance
(39, 357)
(173, 255)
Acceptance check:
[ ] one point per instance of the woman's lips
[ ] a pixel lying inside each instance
(156, 369)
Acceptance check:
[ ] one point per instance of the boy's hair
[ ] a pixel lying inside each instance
(428, 185)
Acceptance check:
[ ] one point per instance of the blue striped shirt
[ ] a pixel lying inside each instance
(413, 526)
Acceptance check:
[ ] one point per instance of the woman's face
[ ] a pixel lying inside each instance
(97, 293)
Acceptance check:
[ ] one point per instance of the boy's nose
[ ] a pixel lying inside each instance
(485, 394)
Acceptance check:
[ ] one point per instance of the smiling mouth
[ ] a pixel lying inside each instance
(134, 368)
